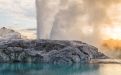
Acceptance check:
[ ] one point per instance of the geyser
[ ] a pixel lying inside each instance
(75, 19)
(66, 20)
(46, 10)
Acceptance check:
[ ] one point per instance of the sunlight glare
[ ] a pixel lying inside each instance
(114, 33)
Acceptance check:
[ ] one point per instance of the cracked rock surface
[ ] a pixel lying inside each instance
(48, 51)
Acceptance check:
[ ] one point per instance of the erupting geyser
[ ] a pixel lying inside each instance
(45, 17)
(74, 19)
(39, 25)
(41, 34)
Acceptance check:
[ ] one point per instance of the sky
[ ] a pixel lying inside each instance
(89, 15)
(19, 15)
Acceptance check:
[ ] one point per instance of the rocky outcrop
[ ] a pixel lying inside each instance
(47, 51)
(10, 34)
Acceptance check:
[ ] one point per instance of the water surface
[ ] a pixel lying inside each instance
(49, 69)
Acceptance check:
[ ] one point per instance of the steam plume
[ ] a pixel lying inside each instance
(66, 19)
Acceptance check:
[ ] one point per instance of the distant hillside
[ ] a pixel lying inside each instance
(10, 34)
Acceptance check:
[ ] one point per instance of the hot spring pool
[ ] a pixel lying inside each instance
(49, 69)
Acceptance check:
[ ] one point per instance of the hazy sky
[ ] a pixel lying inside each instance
(19, 15)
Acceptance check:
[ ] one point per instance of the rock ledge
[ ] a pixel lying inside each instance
(48, 51)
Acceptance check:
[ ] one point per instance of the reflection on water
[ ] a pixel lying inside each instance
(110, 69)
(49, 69)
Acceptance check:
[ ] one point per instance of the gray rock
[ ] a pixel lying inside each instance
(3, 46)
(102, 56)
(1, 59)
(31, 52)
(11, 49)
(47, 51)
(91, 51)
(69, 55)
(18, 49)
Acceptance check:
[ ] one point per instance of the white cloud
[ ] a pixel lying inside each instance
(18, 9)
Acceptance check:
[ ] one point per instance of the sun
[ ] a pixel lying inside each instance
(113, 32)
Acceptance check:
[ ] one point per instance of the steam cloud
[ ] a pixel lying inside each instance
(66, 19)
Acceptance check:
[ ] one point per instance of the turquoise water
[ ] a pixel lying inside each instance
(49, 69)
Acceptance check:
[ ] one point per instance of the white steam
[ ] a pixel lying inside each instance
(66, 19)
